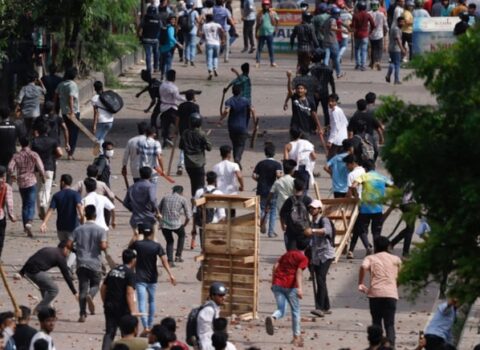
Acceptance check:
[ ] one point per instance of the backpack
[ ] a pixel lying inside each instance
(209, 212)
(112, 101)
(334, 230)
(367, 151)
(299, 217)
(154, 88)
(163, 40)
(185, 22)
(103, 169)
(191, 336)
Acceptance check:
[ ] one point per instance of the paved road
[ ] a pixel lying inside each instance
(344, 328)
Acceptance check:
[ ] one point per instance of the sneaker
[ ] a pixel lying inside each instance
(378, 67)
(179, 171)
(90, 305)
(192, 64)
(215, 72)
(397, 83)
(350, 255)
(180, 60)
(252, 50)
(272, 234)
(41, 213)
(171, 263)
(209, 76)
(357, 67)
(185, 64)
(387, 78)
(28, 229)
(341, 75)
(369, 251)
(244, 50)
(257, 65)
(269, 325)
(274, 65)
(363, 69)
(318, 313)
(179, 259)
(82, 319)
(327, 312)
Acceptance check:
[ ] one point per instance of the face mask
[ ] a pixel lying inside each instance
(109, 153)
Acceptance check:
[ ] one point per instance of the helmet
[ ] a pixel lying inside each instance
(218, 288)
(409, 3)
(375, 2)
(195, 120)
(335, 11)
(266, 2)
(361, 6)
(323, 7)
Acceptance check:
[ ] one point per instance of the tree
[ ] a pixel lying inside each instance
(436, 148)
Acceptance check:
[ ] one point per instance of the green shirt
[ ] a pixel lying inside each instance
(267, 27)
(64, 90)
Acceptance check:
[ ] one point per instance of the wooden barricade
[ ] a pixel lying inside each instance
(343, 212)
(231, 252)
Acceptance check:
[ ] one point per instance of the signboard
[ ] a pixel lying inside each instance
(432, 33)
(287, 19)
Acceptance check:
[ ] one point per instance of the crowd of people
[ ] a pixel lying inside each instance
(48, 106)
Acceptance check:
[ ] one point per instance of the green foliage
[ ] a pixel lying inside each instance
(436, 148)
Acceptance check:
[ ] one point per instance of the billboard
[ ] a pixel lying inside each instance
(432, 33)
(287, 20)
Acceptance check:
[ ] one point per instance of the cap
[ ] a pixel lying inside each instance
(409, 3)
(341, 3)
(266, 2)
(323, 7)
(144, 228)
(172, 15)
(218, 288)
(316, 203)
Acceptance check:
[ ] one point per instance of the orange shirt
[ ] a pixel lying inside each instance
(383, 268)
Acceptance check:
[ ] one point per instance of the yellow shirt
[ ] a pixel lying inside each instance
(408, 27)
(458, 10)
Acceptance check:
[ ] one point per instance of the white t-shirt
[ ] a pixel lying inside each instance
(100, 202)
(226, 178)
(219, 212)
(212, 33)
(352, 176)
(338, 126)
(300, 152)
(104, 116)
(42, 335)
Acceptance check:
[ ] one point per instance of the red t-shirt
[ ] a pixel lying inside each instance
(180, 344)
(360, 23)
(288, 264)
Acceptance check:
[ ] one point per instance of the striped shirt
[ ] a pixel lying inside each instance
(7, 200)
(25, 163)
(148, 151)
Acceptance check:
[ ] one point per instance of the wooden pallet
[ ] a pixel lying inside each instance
(343, 212)
(231, 253)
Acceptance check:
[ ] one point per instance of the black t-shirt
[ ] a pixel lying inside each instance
(23, 335)
(45, 147)
(117, 281)
(267, 174)
(184, 111)
(367, 117)
(285, 215)
(302, 114)
(147, 252)
(51, 82)
(8, 138)
(54, 123)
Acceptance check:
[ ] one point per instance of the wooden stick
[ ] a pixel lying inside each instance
(255, 132)
(172, 153)
(17, 310)
(125, 178)
(317, 190)
(88, 133)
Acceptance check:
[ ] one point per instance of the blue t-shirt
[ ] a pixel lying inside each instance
(66, 201)
(373, 192)
(339, 173)
(220, 16)
(239, 115)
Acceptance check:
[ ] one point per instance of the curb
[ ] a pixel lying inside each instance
(470, 335)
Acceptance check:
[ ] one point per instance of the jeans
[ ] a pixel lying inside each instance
(395, 59)
(322, 302)
(166, 62)
(324, 103)
(238, 145)
(261, 42)
(361, 228)
(226, 47)
(44, 190)
(167, 118)
(144, 289)
(190, 47)
(282, 297)
(88, 284)
(3, 227)
(168, 234)
(342, 48)
(383, 309)
(28, 195)
(272, 215)
(434, 342)
(101, 134)
(72, 133)
(197, 178)
(407, 38)
(151, 48)
(248, 33)
(48, 288)
(361, 46)
(181, 159)
(212, 56)
(377, 50)
(332, 50)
